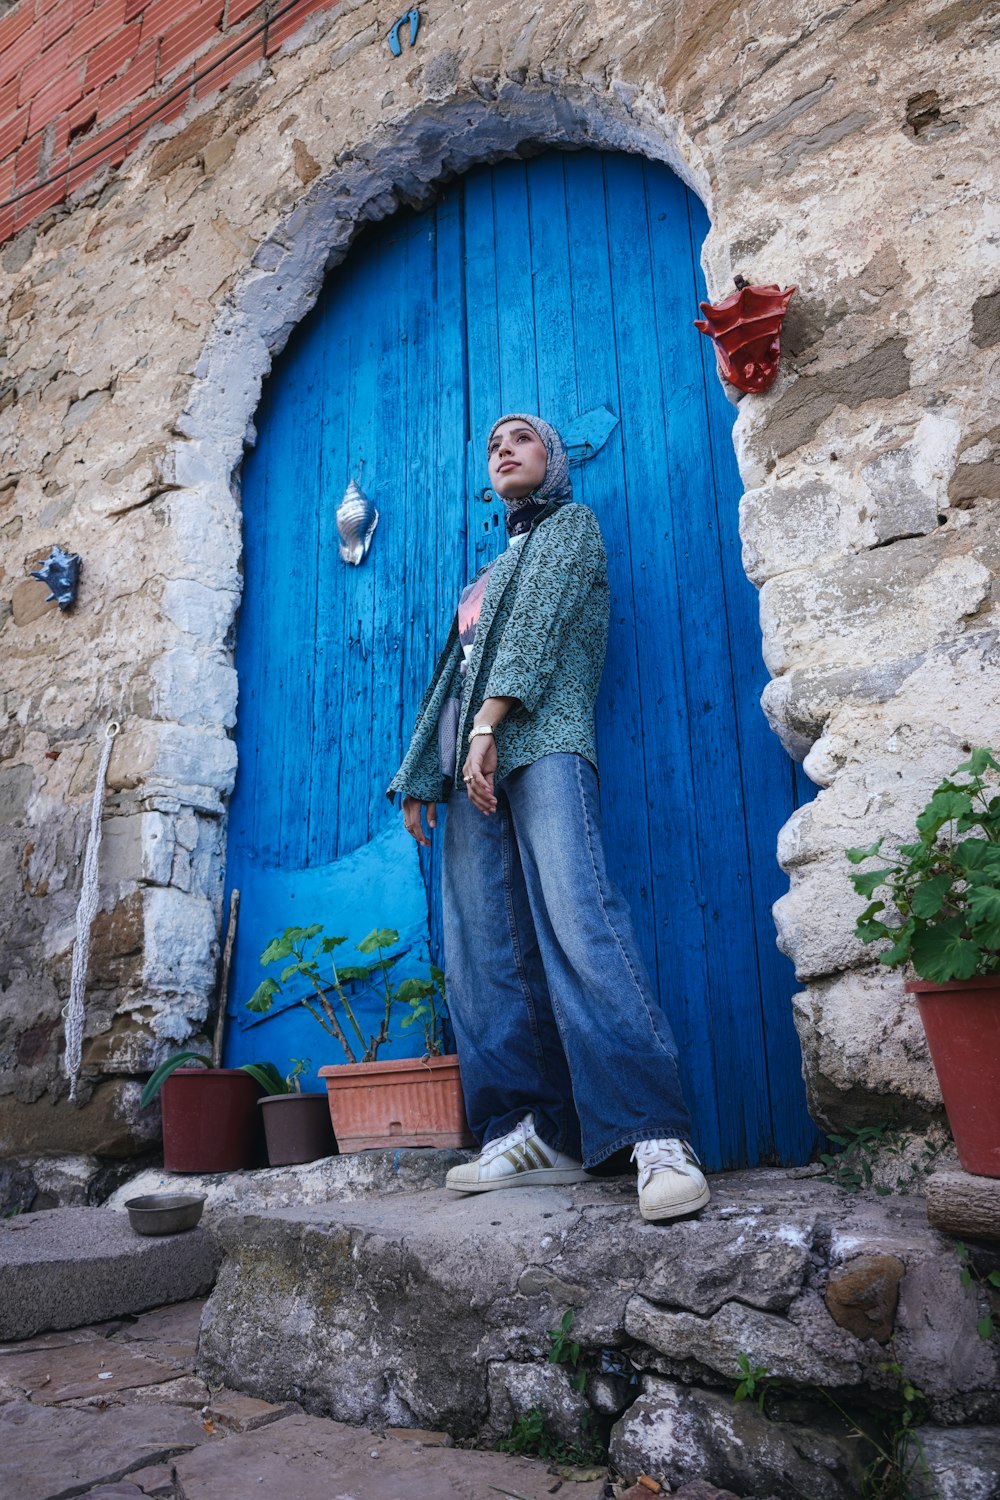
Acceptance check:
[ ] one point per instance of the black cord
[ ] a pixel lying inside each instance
(71, 166)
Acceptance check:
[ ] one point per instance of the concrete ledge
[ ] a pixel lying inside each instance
(69, 1266)
(341, 1179)
(429, 1310)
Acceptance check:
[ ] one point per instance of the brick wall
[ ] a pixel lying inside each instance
(81, 81)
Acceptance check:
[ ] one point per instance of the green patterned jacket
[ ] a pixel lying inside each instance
(541, 639)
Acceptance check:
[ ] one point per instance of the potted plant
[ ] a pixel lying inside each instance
(942, 916)
(210, 1118)
(297, 1126)
(373, 1102)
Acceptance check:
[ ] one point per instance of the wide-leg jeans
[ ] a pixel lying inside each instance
(549, 997)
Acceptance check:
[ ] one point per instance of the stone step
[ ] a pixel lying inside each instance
(361, 1174)
(435, 1311)
(68, 1266)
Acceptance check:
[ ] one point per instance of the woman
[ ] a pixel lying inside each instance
(565, 1055)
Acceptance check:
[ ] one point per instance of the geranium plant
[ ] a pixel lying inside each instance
(942, 914)
(309, 953)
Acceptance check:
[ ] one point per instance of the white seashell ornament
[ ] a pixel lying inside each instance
(356, 522)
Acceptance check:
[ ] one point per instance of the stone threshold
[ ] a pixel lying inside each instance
(423, 1309)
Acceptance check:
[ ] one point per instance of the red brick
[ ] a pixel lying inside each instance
(85, 111)
(6, 179)
(217, 78)
(40, 73)
(160, 17)
(15, 23)
(8, 98)
(175, 108)
(36, 203)
(289, 24)
(12, 133)
(60, 20)
(184, 39)
(237, 10)
(110, 57)
(57, 98)
(134, 8)
(101, 24)
(20, 53)
(136, 81)
(26, 161)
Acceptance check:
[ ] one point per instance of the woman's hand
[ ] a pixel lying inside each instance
(478, 771)
(413, 822)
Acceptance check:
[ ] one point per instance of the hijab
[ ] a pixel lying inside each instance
(556, 487)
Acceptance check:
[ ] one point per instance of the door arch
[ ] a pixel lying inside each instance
(564, 285)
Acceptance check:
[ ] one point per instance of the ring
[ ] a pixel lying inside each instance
(466, 779)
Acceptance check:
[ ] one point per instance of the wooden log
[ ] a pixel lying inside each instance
(959, 1203)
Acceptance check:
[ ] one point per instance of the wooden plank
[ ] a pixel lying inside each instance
(766, 771)
(485, 522)
(515, 295)
(731, 958)
(549, 267)
(602, 485)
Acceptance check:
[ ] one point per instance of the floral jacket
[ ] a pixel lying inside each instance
(541, 639)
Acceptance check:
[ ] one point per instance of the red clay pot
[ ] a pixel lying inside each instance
(962, 1022)
(210, 1120)
(297, 1127)
(415, 1101)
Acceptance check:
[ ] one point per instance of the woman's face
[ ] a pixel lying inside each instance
(518, 459)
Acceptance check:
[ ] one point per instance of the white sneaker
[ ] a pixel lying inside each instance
(671, 1182)
(517, 1159)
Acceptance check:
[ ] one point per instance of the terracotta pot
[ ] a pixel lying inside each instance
(962, 1022)
(210, 1121)
(297, 1128)
(411, 1102)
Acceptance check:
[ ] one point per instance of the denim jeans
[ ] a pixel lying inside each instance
(550, 1001)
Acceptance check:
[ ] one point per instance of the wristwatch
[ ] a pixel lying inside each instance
(479, 729)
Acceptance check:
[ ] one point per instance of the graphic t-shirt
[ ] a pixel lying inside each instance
(470, 606)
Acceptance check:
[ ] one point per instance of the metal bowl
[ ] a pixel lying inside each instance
(165, 1213)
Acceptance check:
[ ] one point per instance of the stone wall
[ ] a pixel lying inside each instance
(846, 151)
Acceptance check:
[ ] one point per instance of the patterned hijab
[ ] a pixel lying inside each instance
(555, 489)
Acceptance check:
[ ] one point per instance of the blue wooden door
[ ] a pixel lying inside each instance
(564, 285)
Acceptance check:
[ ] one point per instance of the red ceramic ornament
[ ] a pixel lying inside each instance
(746, 331)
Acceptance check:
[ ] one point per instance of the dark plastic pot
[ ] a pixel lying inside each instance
(962, 1022)
(210, 1121)
(297, 1127)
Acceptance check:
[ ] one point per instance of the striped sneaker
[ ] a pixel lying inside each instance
(671, 1182)
(517, 1159)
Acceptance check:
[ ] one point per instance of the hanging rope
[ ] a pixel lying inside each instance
(86, 911)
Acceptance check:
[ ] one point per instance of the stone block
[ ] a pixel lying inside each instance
(678, 1435)
(961, 1464)
(862, 1296)
(109, 1124)
(71, 1266)
(862, 1046)
(879, 607)
(778, 1345)
(515, 1389)
(195, 688)
(180, 947)
(698, 1270)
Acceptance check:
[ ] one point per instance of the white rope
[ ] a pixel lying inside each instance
(86, 911)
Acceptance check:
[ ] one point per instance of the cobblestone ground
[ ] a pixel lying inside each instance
(116, 1411)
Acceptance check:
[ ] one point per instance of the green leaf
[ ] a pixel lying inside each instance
(857, 855)
(287, 973)
(379, 937)
(357, 971)
(275, 951)
(329, 943)
(262, 996)
(965, 1277)
(978, 856)
(267, 1075)
(993, 1278)
(946, 805)
(928, 898)
(865, 884)
(940, 952)
(984, 906)
(160, 1075)
(984, 1327)
(900, 950)
(414, 989)
(978, 763)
